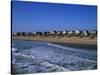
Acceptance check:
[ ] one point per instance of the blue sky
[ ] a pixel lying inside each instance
(37, 16)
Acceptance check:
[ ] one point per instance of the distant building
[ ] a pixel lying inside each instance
(77, 33)
(70, 33)
(47, 33)
(14, 34)
(59, 33)
(39, 33)
(93, 34)
(64, 33)
(84, 33)
(18, 33)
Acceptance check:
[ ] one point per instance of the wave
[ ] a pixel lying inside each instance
(22, 57)
(14, 49)
(55, 45)
(30, 64)
(49, 58)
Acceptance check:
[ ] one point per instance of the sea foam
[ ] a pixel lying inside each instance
(48, 57)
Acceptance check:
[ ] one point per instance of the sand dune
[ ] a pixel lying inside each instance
(73, 40)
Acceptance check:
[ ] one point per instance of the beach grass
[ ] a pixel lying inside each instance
(71, 40)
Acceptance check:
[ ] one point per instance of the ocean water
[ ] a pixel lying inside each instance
(41, 57)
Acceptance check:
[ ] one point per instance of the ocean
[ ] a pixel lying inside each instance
(40, 57)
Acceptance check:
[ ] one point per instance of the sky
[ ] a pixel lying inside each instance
(39, 16)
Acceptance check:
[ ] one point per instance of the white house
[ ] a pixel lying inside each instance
(70, 33)
(14, 34)
(77, 33)
(64, 33)
(93, 34)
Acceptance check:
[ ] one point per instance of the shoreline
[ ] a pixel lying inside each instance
(72, 41)
(80, 46)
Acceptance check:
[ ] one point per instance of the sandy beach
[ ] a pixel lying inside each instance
(70, 40)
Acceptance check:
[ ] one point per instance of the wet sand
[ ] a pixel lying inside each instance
(81, 46)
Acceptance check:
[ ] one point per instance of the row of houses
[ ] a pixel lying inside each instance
(76, 33)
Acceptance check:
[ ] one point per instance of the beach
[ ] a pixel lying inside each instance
(67, 40)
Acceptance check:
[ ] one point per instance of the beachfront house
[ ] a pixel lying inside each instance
(59, 33)
(93, 34)
(52, 33)
(30, 34)
(70, 33)
(46, 34)
(34, 33)
(18, 33)
(64, 33)
(39, 33)
(22, 33)
(77, 33)
(25, 34)
(84, 33)
(55, 33)
(14, 34)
